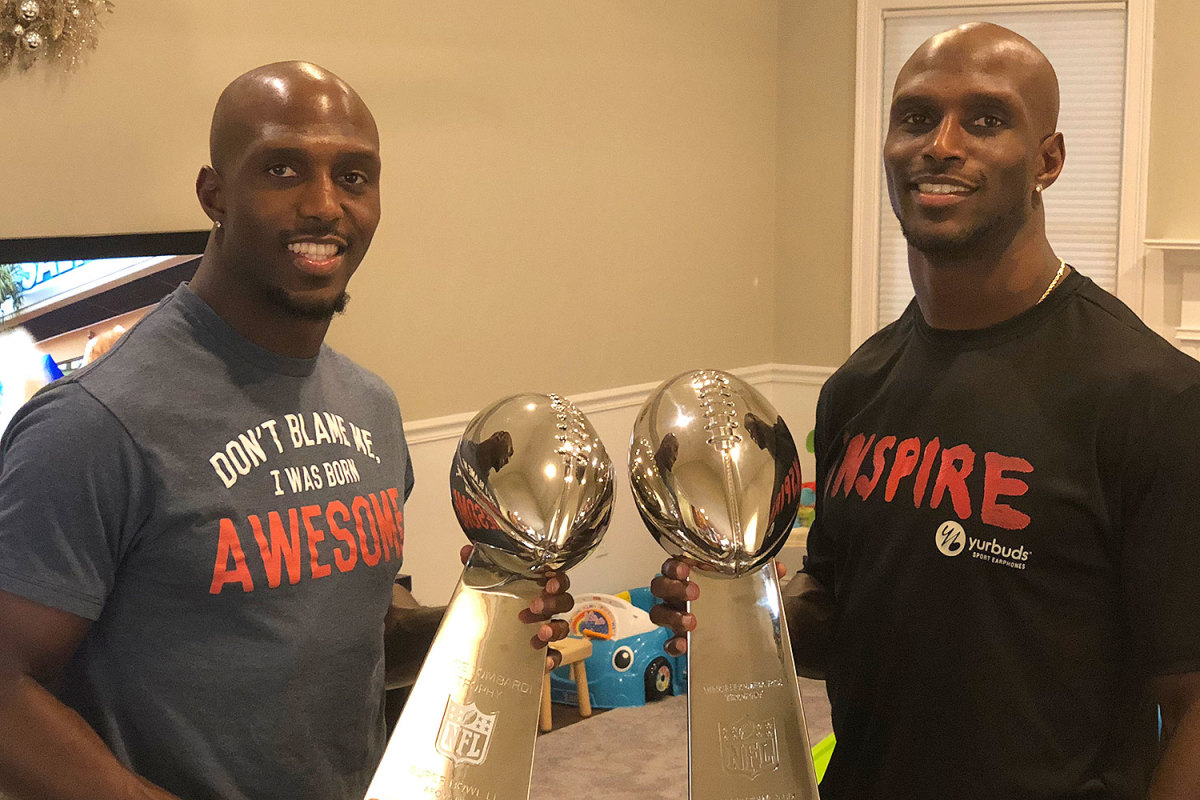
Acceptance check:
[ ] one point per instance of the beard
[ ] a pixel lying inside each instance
(995, 231)
(943, 244)
(308, 310)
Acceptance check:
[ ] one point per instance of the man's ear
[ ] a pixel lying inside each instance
(1053, 155)
(210, 192)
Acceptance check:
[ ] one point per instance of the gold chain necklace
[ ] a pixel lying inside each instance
(1062, 269)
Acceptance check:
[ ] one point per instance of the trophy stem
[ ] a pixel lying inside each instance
(746, 734)
(469, 725)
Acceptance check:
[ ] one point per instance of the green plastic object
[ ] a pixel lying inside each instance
(822, 752)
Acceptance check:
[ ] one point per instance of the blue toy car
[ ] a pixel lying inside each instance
(628, 665)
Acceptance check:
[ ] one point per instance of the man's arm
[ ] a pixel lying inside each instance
(408, 633)
(1160, 565)
(48, 752)
(1178, 774)
(808, 607)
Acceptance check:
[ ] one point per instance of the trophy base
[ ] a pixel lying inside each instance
(469, 725)
(746, 734)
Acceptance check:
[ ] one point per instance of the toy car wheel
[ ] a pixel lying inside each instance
(658, 679)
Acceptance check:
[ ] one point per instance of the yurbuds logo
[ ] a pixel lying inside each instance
(951, 538)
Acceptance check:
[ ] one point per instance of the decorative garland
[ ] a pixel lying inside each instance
(58, 33)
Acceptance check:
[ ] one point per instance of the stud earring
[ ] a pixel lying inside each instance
(217, 224)
(1037, 189)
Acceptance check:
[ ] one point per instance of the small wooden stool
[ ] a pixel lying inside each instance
(574, 651)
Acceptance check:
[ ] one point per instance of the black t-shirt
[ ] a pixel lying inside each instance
(1006, 519)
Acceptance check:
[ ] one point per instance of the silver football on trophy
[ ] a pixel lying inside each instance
(714, 472)
(532, 484)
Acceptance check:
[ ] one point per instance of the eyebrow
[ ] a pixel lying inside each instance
(978, 97)
(1005, 101)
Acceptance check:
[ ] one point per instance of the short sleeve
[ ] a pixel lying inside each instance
(73, 493)
(409, 478)
(1160, 553)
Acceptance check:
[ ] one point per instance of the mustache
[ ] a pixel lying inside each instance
(314, 230)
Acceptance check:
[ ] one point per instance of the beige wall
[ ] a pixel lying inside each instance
(1174, 188)
(815, 182)
(577, 194)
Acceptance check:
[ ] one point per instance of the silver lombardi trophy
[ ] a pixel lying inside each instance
(532, 487)
(716, 478)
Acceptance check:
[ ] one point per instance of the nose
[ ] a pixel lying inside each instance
(319, 199)
(946, 140)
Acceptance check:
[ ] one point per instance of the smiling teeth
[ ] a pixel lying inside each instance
(313, 250)
(941, 188)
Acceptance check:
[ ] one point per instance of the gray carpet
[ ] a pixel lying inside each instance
(638, 752)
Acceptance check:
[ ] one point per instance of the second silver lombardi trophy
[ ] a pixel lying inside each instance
(715, 475)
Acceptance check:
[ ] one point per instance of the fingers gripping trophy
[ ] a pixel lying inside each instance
(716, 478)
(532, 487)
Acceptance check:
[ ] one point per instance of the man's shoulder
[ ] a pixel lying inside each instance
(1107, 311)
(63, 411)
(159, 344)
(66, 394)
(164, 371)
(874, 356)
(1117, 338)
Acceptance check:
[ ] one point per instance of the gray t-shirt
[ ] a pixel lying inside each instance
(232, 522)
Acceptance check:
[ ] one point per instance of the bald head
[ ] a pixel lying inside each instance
(289, 94)
(987, 49)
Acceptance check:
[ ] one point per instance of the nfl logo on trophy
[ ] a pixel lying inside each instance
(749, 748)
(465, 733)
